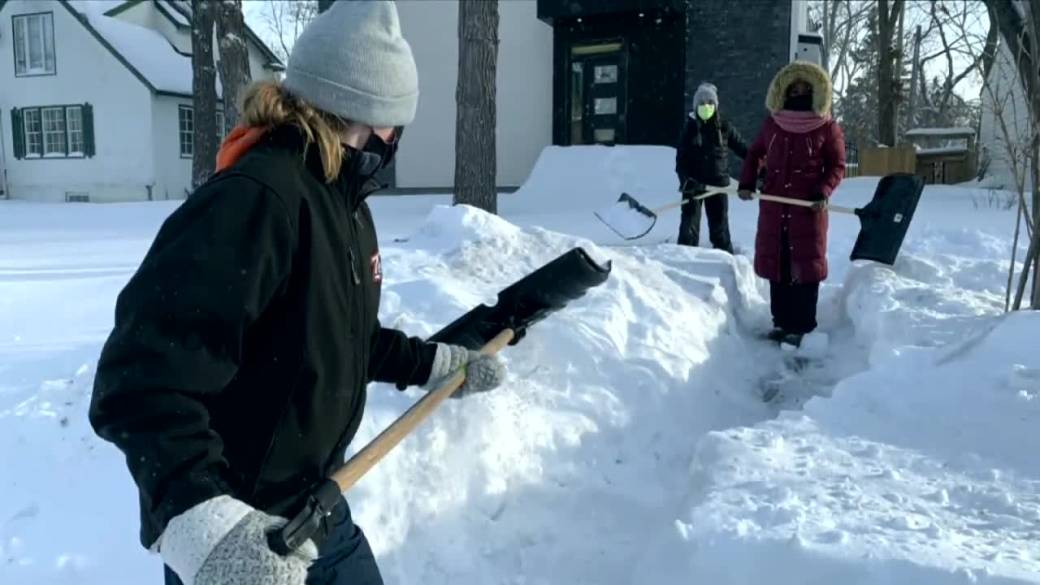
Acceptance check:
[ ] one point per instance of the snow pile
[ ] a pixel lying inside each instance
(629, 443)
(602, 407)
(589, 177)
(896, 479)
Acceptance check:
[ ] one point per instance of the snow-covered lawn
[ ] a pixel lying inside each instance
(629, 444)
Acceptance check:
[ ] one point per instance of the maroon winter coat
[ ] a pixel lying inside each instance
(801, 166)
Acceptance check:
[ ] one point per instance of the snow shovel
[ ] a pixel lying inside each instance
(489, 329)
(883, 222)
(631, 220)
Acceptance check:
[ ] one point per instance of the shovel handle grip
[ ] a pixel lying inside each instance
(370, 454)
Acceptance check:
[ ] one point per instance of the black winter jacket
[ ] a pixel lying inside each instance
(701, 154)
(244, 342)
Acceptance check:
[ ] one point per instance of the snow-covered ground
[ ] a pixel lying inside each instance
(629, 444)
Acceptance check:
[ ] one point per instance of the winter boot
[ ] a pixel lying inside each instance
(794, 339)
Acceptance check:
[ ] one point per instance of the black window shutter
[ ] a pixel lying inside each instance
(18, 133)
(88, 130)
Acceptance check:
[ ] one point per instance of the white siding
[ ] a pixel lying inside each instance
(86, 72)
(1003, 93)
(524, 92)
(173, 173)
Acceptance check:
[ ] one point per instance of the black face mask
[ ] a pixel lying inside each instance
(374, 156)
(799, 103)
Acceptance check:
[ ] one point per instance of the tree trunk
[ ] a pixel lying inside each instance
(234, 58)
(888, 80)
(204, 93)
(911, 121)
(475, 164)
(324, 5)
(1035, 296)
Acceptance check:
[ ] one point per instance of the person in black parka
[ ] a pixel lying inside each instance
(235, 376)
(701, 161)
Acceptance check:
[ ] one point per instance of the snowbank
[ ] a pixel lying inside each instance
(922, 472)
(595, 424)
(589, 177)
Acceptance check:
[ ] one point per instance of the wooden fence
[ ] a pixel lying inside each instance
(878, 162)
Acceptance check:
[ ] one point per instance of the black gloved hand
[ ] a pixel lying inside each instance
(691, 186)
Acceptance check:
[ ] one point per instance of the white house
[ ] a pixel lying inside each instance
(1004, 129)
(96, 98)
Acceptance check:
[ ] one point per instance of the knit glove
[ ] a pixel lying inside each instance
(223, 541)
(483, 372)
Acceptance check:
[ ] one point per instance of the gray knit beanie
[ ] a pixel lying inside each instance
(706, 93)
(352, 61)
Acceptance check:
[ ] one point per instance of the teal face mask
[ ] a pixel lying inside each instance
(705, 111)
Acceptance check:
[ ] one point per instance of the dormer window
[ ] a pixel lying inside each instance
(34, 44)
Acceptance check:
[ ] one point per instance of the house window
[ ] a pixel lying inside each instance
(53, 131)
(33, 132)
(33, 44)
(54, 136)
(74, 127)
(186, 118)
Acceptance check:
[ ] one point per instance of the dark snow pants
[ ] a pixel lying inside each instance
(793, 304)
(345, 556)
(718, 221)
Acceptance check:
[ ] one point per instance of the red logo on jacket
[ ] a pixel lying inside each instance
(376, 266)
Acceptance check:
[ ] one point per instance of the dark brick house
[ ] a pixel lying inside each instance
(624, 71)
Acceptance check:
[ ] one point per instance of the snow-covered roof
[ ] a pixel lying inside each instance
(146, 52)
(943, 150)
(941, 132)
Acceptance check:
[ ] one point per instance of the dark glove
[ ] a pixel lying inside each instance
(691, 186)
(745, 194)
(483, 372)
(820, 204)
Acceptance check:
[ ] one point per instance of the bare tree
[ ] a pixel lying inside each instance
(955, 25)
(890, 14)
(475, 163)
(843, 23)
(1019, 24)
(234, 57)
(287, 20)
(204, 92)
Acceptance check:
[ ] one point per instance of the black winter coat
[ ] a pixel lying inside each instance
(244, 342)
(702, 152)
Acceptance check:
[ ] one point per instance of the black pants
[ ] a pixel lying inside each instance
(793, 304)
(718, 221)
(345, 558)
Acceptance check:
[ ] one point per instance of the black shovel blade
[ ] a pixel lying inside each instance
(527, 301)
(885, 220)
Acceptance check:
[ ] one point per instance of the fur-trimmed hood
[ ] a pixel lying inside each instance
(806, 71)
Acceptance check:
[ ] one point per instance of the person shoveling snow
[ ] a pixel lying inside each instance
(803, 153)
(235, 375)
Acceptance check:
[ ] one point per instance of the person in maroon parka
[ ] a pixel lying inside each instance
(801, 153)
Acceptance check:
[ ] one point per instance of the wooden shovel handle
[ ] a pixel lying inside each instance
(803, 203)
(371, 453)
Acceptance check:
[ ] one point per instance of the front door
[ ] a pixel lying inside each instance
(597, 94)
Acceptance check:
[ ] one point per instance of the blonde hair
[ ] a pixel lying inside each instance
(267, 105)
